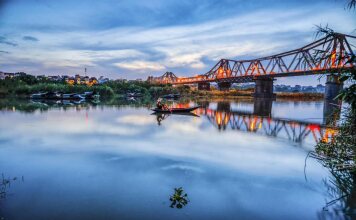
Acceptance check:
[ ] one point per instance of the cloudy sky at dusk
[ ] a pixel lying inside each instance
(134, 39)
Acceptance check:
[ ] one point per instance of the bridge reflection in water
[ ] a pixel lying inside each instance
(261, 122)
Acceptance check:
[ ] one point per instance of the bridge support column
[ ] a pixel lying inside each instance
(333, 87)
(264, 88)
(331, 112)
(223, 107)
(262, 107)
(204, 86)
(224, 86)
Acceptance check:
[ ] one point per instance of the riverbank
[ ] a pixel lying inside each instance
(23, 89)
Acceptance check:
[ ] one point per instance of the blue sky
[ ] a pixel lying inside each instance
(134, 39)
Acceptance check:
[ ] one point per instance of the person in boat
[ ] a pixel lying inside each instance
(160, 105)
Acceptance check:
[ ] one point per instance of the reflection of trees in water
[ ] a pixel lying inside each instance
(341, 196)
(338, 156)
(30, 106)
(179, 199)
(5, 184)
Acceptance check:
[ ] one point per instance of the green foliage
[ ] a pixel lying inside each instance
(179, 199)
(351, 4)
(338, 155)
(349, 94)
(340, 152)
(19, 86)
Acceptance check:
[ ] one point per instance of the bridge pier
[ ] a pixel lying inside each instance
(332, 87)
(204, 86)
(223, 107)
(264, 88)
(224, 86)
(331, 112)
(262, 107)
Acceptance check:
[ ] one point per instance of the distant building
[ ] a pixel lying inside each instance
(320, 88)
(9, 75)
(20, 74)
(2, 75)
(41, 77)
(54, 78)
(102, 80)
(298, 88)
(121, 80)
(70, 80)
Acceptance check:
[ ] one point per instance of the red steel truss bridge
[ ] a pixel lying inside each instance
(329, 54)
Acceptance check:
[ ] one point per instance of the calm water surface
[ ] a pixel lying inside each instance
(234, 159)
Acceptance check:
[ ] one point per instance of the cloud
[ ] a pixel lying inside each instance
(29, 38)
(140, 66)
(138, 120)
(2, 51)
(3, 40)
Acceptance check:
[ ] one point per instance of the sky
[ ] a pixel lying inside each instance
(134, 39)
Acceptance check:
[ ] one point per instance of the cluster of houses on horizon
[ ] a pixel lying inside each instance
(76, 79)
(286, 88)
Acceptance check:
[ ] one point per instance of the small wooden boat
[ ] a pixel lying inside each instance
(46, 95)
(176, 113)
(65, 96)
(175, 110)
(90, 95)
(72, 96)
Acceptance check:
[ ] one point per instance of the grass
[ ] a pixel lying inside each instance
(300, 95)
(339, 157)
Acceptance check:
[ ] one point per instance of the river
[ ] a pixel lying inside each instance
(235, 159)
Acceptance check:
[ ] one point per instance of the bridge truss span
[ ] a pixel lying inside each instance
(327, 55)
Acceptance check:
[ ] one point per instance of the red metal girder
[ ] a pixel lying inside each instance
(302, 62)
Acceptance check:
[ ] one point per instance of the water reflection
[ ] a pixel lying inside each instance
(254, 116)
(5, 184)
(116, 149)
(294, 130)
(331, 112)
(161, 116)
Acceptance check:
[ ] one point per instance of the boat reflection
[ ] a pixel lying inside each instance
(161, 116)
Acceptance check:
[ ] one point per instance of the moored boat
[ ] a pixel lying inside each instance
(90, 95)
(72, 96)
(65, 96)
(46, 95)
